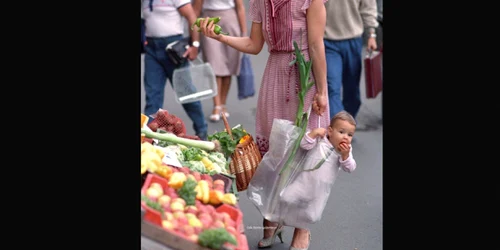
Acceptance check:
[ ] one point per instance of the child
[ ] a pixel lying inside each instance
(309, 191)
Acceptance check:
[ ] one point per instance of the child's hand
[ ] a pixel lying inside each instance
(317, 132)
(344, 150)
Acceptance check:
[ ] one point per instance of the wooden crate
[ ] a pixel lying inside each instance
(171, 241)
(155, 238)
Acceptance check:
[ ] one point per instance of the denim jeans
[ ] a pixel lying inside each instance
(157, 69)
(344, 64)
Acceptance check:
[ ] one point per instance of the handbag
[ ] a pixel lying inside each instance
(246, 79)
(176, 50)
(373, 73)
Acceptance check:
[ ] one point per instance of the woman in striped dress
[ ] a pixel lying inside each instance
(279, 23)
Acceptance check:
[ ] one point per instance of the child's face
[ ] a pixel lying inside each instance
(341, 132)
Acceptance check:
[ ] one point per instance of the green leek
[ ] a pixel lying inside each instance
(205, 145)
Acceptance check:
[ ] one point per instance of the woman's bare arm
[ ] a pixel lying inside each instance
(316, 21)
(250, 45)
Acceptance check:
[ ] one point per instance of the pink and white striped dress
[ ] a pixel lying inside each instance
(283, 21)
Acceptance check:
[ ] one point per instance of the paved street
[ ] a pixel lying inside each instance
(353, 216)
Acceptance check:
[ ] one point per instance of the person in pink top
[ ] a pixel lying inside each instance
(279, 23)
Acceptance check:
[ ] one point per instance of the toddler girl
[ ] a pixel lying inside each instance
(310, 189)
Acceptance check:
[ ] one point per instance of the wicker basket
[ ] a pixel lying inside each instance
(244, 160)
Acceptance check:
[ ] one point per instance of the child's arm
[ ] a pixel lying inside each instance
(348, 164)
(309, 139)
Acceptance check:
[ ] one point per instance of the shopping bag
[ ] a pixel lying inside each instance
(373, 73)
(295, 197)
(194, 82)
(266, 184)
(246, 86)
(306, 194)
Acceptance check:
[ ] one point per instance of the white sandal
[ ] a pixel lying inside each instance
(216, 117)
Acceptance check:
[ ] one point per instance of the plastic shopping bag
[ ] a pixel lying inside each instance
(246, 86)
(299, 195)
(306, 194)
(263, 188)
(194, 82)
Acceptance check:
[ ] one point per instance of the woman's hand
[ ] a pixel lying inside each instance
(319, 104)
(207, 28)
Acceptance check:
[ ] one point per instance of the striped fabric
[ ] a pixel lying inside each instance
(283, 21)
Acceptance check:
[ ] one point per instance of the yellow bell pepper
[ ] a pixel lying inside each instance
(144, 167)
(164, 171)
(229, 198)
(216, 197)
(177, 179)
(207, 162)
(150, 162)
(155, 159)
(244, 138)
(159, 152)
(146, 147)
(203, 191)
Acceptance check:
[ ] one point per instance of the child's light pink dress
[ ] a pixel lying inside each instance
(307, 194)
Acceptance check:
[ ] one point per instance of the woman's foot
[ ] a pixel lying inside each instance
(271, 230)
(215, 116)
(301, 239)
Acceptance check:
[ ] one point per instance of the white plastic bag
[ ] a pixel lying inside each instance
(263, 188)
(295, 198)
(306, 194)
(195, 82)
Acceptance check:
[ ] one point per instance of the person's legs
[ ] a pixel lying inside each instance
(301, 238)
(194, 109)
(352, 66)
(154, 79)
(195, 112)
(271, 230)
(333, 76)
(226, 84)
(215, 116)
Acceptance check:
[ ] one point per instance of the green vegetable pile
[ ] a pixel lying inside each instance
(227, 144)
(215, 238)
(191, 158)
(193, 154)
(187, 193)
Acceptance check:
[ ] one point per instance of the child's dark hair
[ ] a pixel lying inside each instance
(344, 116)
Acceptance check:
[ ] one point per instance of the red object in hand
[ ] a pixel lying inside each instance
(373, 74)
